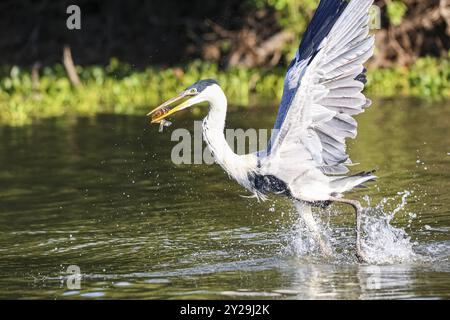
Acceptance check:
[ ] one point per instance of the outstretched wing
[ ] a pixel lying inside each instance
(323, 89)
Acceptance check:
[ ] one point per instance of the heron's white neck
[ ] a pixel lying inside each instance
(213, 131)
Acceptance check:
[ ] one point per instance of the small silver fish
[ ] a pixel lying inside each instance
(164, 123)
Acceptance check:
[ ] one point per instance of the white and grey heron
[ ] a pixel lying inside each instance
(306, 158)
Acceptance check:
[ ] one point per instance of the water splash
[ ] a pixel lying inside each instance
(384, 243)
(300, 241)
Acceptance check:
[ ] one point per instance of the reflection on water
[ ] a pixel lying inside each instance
(101, 193)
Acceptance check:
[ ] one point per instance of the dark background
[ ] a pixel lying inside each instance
(170, 32)
(137, 31)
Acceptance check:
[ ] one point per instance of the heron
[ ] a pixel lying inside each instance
(305, 159)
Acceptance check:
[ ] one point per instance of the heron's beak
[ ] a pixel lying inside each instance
(180, 102)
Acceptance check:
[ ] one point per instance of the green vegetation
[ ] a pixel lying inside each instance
(118, 88)
(396, 10)
(427, 78)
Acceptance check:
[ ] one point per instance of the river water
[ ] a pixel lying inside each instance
(102, 195)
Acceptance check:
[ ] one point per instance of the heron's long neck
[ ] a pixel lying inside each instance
(213, 130)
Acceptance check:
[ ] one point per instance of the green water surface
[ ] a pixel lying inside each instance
(103, 194)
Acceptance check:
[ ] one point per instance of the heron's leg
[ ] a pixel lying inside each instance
(358, 210)
(304, 209)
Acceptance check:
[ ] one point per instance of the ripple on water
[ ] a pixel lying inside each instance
(123, 284)
(243, 293)
(92, 294)
(157, 281)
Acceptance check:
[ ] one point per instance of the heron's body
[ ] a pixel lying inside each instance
(255, 171)
(306, 158)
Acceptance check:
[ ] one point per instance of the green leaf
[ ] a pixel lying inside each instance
(396, 10)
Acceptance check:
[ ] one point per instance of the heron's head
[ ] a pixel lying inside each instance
(199, 92)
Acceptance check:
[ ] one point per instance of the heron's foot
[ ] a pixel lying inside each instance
(360, 255)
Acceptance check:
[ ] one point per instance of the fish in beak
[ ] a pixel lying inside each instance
(171, 106)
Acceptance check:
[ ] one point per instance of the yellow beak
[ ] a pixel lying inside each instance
(167, 108)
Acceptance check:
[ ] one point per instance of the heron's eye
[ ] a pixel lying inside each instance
(193, 91)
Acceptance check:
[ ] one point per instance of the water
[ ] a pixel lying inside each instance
(102, 194)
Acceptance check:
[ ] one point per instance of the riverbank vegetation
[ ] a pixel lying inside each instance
(118, 88)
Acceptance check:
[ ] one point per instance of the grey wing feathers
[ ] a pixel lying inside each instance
(320, 116)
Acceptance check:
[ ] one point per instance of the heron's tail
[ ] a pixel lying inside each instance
(342, 184)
